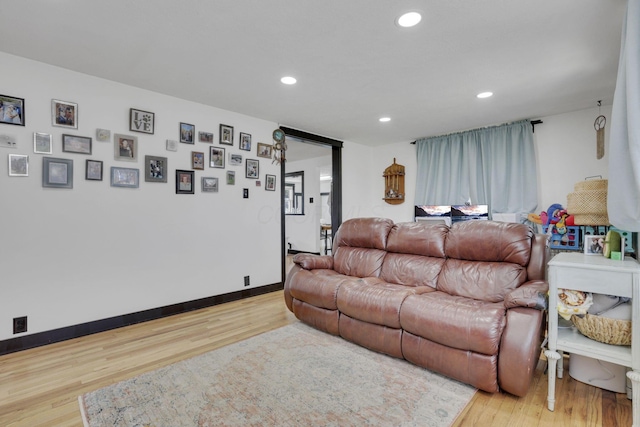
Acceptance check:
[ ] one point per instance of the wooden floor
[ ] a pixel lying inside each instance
(40, 387)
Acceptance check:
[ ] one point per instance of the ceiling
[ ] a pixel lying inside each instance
(352, 62)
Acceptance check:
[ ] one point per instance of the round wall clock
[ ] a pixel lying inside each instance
(278, 135)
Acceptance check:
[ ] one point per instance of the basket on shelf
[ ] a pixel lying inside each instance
(588, 202)
(604, 329)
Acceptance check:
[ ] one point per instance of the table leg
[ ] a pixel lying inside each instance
(552, 360)
(634, 376)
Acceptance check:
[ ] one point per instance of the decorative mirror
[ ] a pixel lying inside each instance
(294, 193)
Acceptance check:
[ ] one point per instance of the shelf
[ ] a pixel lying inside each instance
(572, 341)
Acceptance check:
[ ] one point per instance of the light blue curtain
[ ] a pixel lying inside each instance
(623, 196)
(493, 166)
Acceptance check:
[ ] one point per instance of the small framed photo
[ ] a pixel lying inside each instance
(245, 141)
(64, 114)
(42, 143)
(231, 178)
(252, 169)
(235, 159)
(103, 135)
(11, 110)
(172, 145)
(57, 173)
(197, 160)
(93, 170)
(18, 165)
(125, 147)
(184, 181)
(187, 133)
(209, 184)
(264, 150)
(226, 134)
(205, 137)
(125, 177)
(155, 169)
(76, 144)
(270, 183)
(216, 157)
(593, 244)
(141, 121)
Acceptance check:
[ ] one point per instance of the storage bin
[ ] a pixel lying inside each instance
(569, 241)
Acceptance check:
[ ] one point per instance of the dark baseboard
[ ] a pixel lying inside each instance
(49, 337)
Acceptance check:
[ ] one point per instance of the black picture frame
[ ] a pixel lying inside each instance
(252, 169)
(226, 134)
(245, 141)
(270, 183)
(76, 144)
(185, 181)
(93, 170)
(12, 110)
(141, 121)
(216, 157)
(155, 169)
(187, 133)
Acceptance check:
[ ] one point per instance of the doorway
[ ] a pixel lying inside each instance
(300, 203)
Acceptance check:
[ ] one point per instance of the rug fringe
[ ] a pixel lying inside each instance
(85, 420)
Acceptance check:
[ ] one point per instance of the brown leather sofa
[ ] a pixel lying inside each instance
(467, 301)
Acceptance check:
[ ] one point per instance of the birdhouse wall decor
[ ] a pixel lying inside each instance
(394, 184)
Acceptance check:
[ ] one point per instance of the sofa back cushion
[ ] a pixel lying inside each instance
(359, 246)
(411, 270)
(485, 259)
(415, 254)
(478, 240)
(418, 238)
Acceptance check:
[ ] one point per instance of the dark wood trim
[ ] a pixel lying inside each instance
(300, 134)
(49, 337)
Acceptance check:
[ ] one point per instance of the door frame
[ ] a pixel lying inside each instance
(336, 185)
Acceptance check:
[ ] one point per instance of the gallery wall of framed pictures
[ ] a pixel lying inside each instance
(147, 150)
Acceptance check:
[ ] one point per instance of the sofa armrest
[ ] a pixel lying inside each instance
(312, 262)
(532, 294)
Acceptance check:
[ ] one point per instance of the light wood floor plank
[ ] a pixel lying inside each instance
(40, 387)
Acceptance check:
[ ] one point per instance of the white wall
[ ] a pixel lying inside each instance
(303, 231)
(74, 256)
(92, 252)
(566, 149)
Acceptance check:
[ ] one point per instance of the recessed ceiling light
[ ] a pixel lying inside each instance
(409, 19)
(288, 80)
(385, 119)
(484, 95)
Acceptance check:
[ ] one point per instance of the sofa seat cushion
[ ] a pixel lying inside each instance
(318, 287)
(454, 321)
(374, 300)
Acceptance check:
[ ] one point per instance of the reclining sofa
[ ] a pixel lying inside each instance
(466, 301)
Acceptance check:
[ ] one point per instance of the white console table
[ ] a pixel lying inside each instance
(601, 275)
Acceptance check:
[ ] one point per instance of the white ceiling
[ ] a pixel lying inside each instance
(353, 64)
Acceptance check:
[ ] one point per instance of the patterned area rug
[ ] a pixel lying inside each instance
(292, 376)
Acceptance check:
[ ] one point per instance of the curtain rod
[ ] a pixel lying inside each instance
(533, 129)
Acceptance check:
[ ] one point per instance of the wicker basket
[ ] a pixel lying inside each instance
(604, 329)
(591, 184)
(591, 219)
